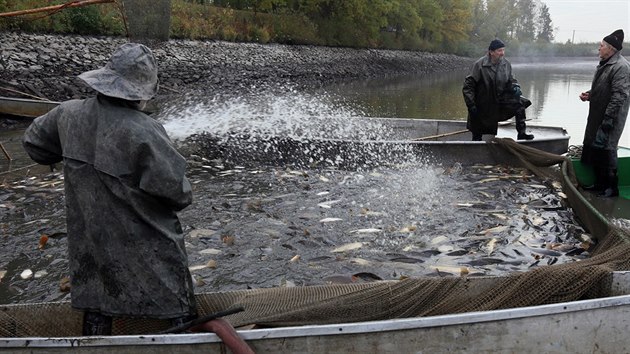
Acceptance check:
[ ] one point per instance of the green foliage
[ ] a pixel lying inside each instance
(84, 20)
(102, 19)
(463, 27)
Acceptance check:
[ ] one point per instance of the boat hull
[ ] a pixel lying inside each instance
(436, 142)
(25, 107)
(556, 328)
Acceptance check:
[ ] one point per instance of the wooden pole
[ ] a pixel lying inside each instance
(6, 153)
(55, 7)
(456, 132)
(25, 94)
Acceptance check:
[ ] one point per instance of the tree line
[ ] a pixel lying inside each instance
(439, 25)
(462, 27)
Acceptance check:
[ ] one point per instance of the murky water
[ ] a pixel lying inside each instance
(265, 226)
(552, 86)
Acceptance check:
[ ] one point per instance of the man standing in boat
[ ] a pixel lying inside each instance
(609, 98)
(124, 181)
(492, 95)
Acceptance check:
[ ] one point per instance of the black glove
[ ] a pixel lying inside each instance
(601, 139)
(472, 110)
(607, 124)
(517, 90)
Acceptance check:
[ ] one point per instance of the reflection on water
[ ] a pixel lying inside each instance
(553, 88)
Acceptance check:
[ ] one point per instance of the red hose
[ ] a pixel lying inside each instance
(227, 333)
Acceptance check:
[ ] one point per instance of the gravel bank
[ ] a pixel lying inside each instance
(47, 65)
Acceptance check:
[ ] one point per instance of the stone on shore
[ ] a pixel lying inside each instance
(47, 65)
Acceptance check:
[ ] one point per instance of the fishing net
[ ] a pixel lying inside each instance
(585, 279)
(148, 20)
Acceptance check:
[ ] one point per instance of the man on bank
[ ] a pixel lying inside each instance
(124, 181)
(609, 99)
(492, 95)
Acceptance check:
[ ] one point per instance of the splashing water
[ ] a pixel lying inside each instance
(284, 128)
(292, 114)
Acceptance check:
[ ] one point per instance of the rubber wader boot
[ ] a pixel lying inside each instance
(600, 181)
(612, 189)
(521, 126)
(96, 324)
(525, 136)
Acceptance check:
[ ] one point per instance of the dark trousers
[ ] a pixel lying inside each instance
(604, 164)
(508, 109)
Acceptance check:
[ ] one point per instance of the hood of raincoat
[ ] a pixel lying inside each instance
(130, 74)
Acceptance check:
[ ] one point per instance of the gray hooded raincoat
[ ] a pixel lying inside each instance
(123, 182)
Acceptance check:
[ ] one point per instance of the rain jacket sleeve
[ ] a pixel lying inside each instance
(41, 139)
(470, 84)
(162, 174)
(620, 87)
(608, 104)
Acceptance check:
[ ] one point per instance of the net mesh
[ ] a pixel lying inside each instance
(148, 20)
(342, 303)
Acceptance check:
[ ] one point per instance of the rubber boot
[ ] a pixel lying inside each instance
(521, 127)
(612, 188)
(476, 137)
(96, 324)
(600, 181)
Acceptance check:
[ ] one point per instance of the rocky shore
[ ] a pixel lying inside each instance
(46, 66)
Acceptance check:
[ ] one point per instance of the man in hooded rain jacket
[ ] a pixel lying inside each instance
(609, 98)
(124, 181)
(492, 95)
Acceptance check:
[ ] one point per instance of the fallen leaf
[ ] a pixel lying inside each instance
(42, 241)
(64, 284)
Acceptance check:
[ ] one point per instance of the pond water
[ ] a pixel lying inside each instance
(277, 226)
(552, 86)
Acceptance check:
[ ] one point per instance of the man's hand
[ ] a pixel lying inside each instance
(472, 110)
(585, 96)
(607, 125)
(517, 90)
(601, 139)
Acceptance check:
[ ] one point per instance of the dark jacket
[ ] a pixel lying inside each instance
(490, 89)
(609, 102)
(124, 181)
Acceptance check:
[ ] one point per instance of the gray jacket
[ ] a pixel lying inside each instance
(609, 101)
(124, 181)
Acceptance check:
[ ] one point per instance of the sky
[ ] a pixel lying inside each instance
(588, 20)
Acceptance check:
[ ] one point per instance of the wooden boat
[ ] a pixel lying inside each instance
(22, 107)
(569, 327)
